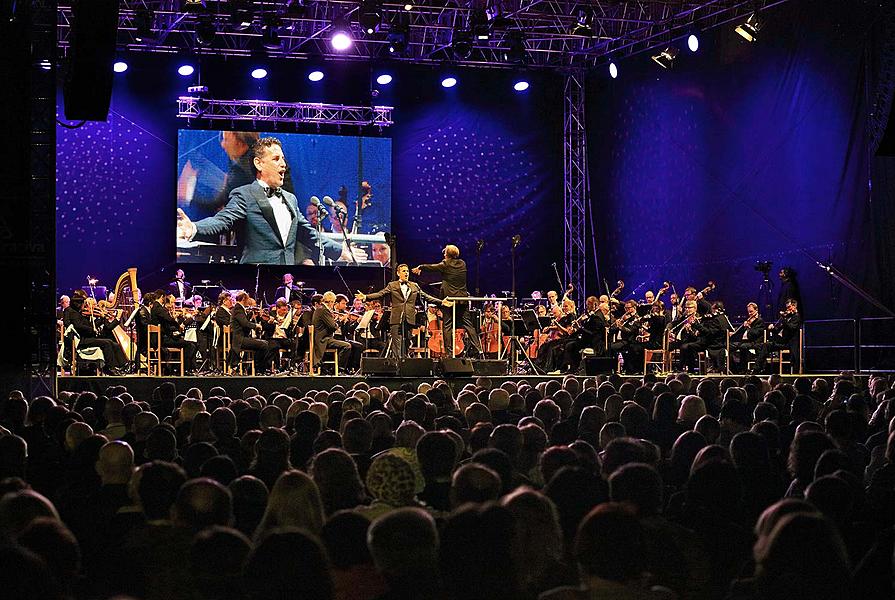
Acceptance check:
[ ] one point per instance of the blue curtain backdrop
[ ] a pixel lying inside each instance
(741, 152)
(479, 161)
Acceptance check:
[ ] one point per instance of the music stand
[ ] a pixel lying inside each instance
(526, 322)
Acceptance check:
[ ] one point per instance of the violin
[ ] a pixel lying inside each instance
(710, 287)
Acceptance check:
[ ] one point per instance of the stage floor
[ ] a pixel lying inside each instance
(141, 386)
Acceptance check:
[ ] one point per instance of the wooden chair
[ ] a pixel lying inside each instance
(784, 356)
(656, 356)
(75, 369)
(243, 359)
(156, 354)
(332, 351)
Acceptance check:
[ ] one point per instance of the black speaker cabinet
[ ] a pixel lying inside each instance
(599, 365)
(489, 368)
(379, 366)
(415, 367)
(87, 90)
(457, 367)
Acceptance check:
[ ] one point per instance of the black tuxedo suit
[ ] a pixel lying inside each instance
(403, 309)
(325, 327)
(171, 337)
(241, 339)
(174, 290)
(453, 283)
(91, 330)
(747, 340)
(784, 336)
(294, 292)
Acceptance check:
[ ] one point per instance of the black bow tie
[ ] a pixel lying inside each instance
(271, 192)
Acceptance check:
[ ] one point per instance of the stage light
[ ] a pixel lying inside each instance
(585, 23)
(613, 70)
(185, 70)
(315, 75)
(520, 86)
(45, 64)
(370, 16)
(270, 39)
(259, 73)
(692, 42)
(240, 14)
(384, 79)
(143, 25)
(341, 36)
(397, 39)
(515, 52)
(120, 66)
(408, 7)
(478, 24)
(205, 31)
(193, 6)
(461, 43)
(449, 82)
(295, 9)
(665, 58)
(749, 30)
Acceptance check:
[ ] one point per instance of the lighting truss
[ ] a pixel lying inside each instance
(190, 107)
(619, 28)
(576, 184)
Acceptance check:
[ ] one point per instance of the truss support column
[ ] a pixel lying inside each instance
(576, 187)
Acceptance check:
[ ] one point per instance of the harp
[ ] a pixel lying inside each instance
(123, 303)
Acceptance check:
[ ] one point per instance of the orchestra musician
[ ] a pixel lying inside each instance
(783, 335)
(403, 295)
(325, 327)
(624, 332)
(64, 302)
(747, 340)
(277, 328)
(241, 335)
(453, 283)
(652, 329)
(288, 290)
(586, 331)
(684, 337)
(93, 329)
(675, 310)
(172, 334)
(550, 353)
(180, 288)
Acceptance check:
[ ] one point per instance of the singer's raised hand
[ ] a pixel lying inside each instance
(416, 270)
(185, 228)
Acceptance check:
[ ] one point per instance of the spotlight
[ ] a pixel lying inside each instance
(515, 53)
(120, 66)
(240, 14)
(315, 75)
(585, 24)
(692, 42)
(370, 16)
(520, 86)
(613, 70)
(205, 31)
(408, 7)
(185, 70)
(478, 23)
(193, 6)
(295, 9)
(384, 79)
(45, 64)
(397, 39)
(665, 58)
(259, 73)
(449, 82)
(461, 43)
(341, 37)
(143, 25)
(270, 39)
(749, 30)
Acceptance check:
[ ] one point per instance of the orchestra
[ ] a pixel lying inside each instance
(693, 333)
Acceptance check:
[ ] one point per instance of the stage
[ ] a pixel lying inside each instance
(141, 387)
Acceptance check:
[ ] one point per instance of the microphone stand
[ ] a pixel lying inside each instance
(321, 215)
(341, 216)
(479, 244)
(257, 278)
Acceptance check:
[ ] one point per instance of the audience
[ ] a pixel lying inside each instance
(740, 488)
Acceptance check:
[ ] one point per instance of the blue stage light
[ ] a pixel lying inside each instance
(185, 70)
(520, 86)
(315, 75)
(693, 42)
(449, 82)
(120, 66)
(259, 73)
(384, 79)
(613, 70)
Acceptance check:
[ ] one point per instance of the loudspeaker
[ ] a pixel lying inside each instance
(489, 367)
(456, 367)
(378, 366)
(87, 90)
(599, 365)
(415, 367)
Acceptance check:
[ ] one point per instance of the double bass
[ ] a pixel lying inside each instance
(435, 342)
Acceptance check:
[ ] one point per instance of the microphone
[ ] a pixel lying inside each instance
(316, 202)
(330, 202)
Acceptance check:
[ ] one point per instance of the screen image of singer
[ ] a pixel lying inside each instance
(333, 185)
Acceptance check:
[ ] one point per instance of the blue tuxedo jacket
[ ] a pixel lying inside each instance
(249, 207)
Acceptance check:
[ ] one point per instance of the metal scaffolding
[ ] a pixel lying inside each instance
(552, 33)
(576, 185)
(190, 107)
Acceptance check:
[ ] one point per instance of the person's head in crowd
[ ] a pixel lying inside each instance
(749, 452)
(13, 456)
(144, 423)
(404, 545)
(53, 542)
(294, 501)
(537, 536)
(344, 536)
(610, 545)
(548, 412)
(555, 458)
(499, 462)
(408, 434)
(714, 487)
(288, 563)
(507, 438)
(476, 483)
(202, 503)
(337, 479)
(161, 445)
(249, 503)
(783, 569)
(710, 453)
(223, 424)
(391, 481)
(588, 457)
(216, 557)
(620, 452)
(804, 453)
(575, 492)
(76, 433)
(19, 509)
(357, 436)
(684, 452)
(476, 413)
(436, 452)
(115, 464)
(221, 468)
(635, 419)
(765, 411)
(639, 485)
(610, 431)
(691, 410)
(709, 427)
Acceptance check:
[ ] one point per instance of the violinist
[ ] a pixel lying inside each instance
(325, 326)
(298, 329)
(653, 326)
(588, 333)
(746, 341)
(624, 331)
(240, 335)
(783, 335)
(277, 328)
(172, 334)
(713, 328)
(550, 352)
(84, 317)
(403, 295)
(685, 337)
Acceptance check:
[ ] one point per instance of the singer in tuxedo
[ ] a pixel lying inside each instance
(453, 283)
(269, 222)
(404, 295)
